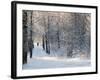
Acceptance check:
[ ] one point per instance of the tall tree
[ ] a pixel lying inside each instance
(31, 41)
(47, 38)
(25, 38)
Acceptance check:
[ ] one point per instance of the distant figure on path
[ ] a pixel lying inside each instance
(37, 44)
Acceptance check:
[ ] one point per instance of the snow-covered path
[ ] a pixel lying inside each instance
(42, 60)
(39, 52)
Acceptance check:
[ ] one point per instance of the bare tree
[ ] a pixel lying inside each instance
(25, 38)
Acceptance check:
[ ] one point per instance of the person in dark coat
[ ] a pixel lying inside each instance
(37, 44)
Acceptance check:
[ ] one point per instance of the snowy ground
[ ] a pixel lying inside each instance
(42, 60)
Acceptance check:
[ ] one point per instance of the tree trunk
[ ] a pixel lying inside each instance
(58, 39)
(25, 39)
(69, 51)
(31, 42)
(48, 42)
(47, 46)
(30, 52)
(25, 45)
(43, 42)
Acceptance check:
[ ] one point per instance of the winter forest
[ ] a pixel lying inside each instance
(55, 39)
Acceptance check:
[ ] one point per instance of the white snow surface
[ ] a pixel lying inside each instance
(41, 60)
